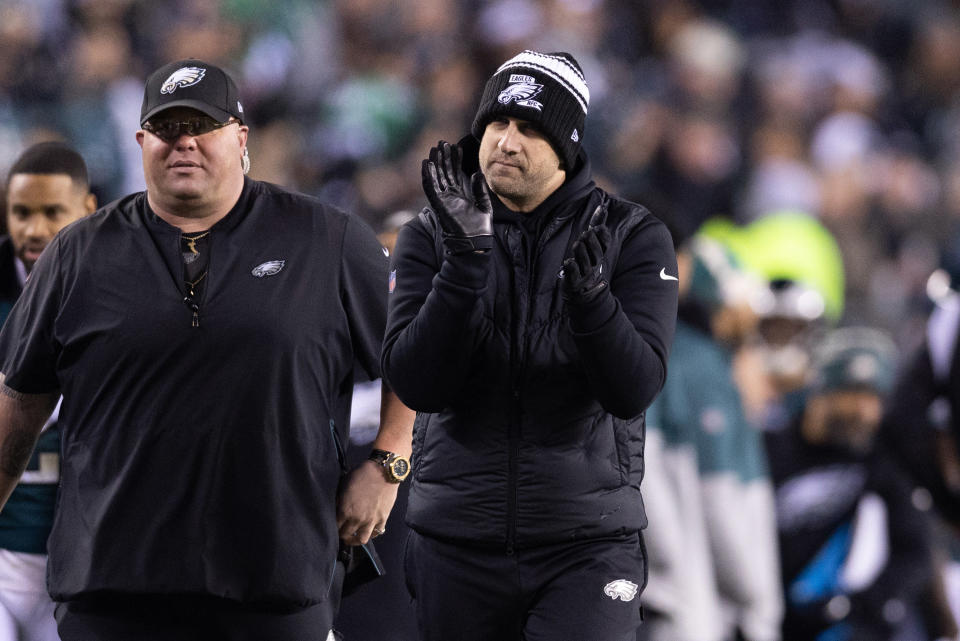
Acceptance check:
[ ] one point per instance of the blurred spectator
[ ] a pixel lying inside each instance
(800, 261)
(707, 59)
(711, 535)
(778, 178)
(854, 546)
(923, 420)
(921, 426)
(47, 189)
(695, 169)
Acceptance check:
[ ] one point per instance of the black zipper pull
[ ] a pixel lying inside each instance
(192, 304)
(191, 300)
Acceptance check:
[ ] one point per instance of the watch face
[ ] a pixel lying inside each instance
(400, 468)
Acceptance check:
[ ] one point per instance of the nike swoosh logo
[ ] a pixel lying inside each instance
(665, 276)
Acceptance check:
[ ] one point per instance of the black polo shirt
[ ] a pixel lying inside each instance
(201, 460)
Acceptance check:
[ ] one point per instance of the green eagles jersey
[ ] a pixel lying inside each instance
(27, 517)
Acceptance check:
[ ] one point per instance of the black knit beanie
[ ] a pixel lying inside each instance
(546, 89)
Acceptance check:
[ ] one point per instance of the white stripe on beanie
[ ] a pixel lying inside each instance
(558, 68)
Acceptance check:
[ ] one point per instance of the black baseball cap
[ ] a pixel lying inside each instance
(191, 83)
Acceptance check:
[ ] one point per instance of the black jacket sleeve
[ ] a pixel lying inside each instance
(429, 340)
(624, 336)
(363, 295)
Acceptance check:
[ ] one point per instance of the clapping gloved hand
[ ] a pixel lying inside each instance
(583, 270)
(461, 202)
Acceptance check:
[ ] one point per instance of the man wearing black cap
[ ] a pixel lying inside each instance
(206, 335)
(530, 321)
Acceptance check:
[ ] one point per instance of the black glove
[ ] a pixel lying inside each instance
(583, 270)
(461, 202)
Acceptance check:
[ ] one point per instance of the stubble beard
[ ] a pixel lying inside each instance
(510, 185)
(510, 189)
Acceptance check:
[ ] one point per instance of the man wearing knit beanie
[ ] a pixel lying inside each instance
(530, 321)
(547, 90)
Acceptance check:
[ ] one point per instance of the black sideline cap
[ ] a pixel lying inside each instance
(191, 83)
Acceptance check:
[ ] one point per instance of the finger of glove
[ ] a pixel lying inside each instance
(603, 237)
(432, 191)
(582, 256)
(481, 196)
(590, 248)
(436, 157)
(431, 182)
(448, 167)
(457, 175)
(598, 222)
(599, 217)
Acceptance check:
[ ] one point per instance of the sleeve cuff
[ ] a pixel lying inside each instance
(585, 319)
(453, 246)
(466, 270)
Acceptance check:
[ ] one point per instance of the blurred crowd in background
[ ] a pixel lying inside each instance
(846, 110)
(822, 132)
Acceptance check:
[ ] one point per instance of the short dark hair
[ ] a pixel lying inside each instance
(51, 158)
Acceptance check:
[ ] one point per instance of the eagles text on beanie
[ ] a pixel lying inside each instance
(546, 89)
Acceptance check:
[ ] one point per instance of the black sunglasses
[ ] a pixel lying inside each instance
(170, 130)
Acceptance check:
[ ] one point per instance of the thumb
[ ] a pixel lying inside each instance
(571, 272)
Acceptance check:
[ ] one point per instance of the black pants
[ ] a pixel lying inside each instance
(582, 591)
(163, 618)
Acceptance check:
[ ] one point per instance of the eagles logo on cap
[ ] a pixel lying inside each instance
(184, 77)
(522, 91)
(545, 89)
(178, 84)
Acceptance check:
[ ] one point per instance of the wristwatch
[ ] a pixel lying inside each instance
(395, 466)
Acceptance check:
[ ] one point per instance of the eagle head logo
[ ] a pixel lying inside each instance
(522, 91)
(268, 268)
(621, 589)
(182, 77)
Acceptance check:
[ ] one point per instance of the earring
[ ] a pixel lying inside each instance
(245, 161)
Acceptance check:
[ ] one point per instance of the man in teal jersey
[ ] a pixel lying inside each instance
(712, 535)
(47, 188)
